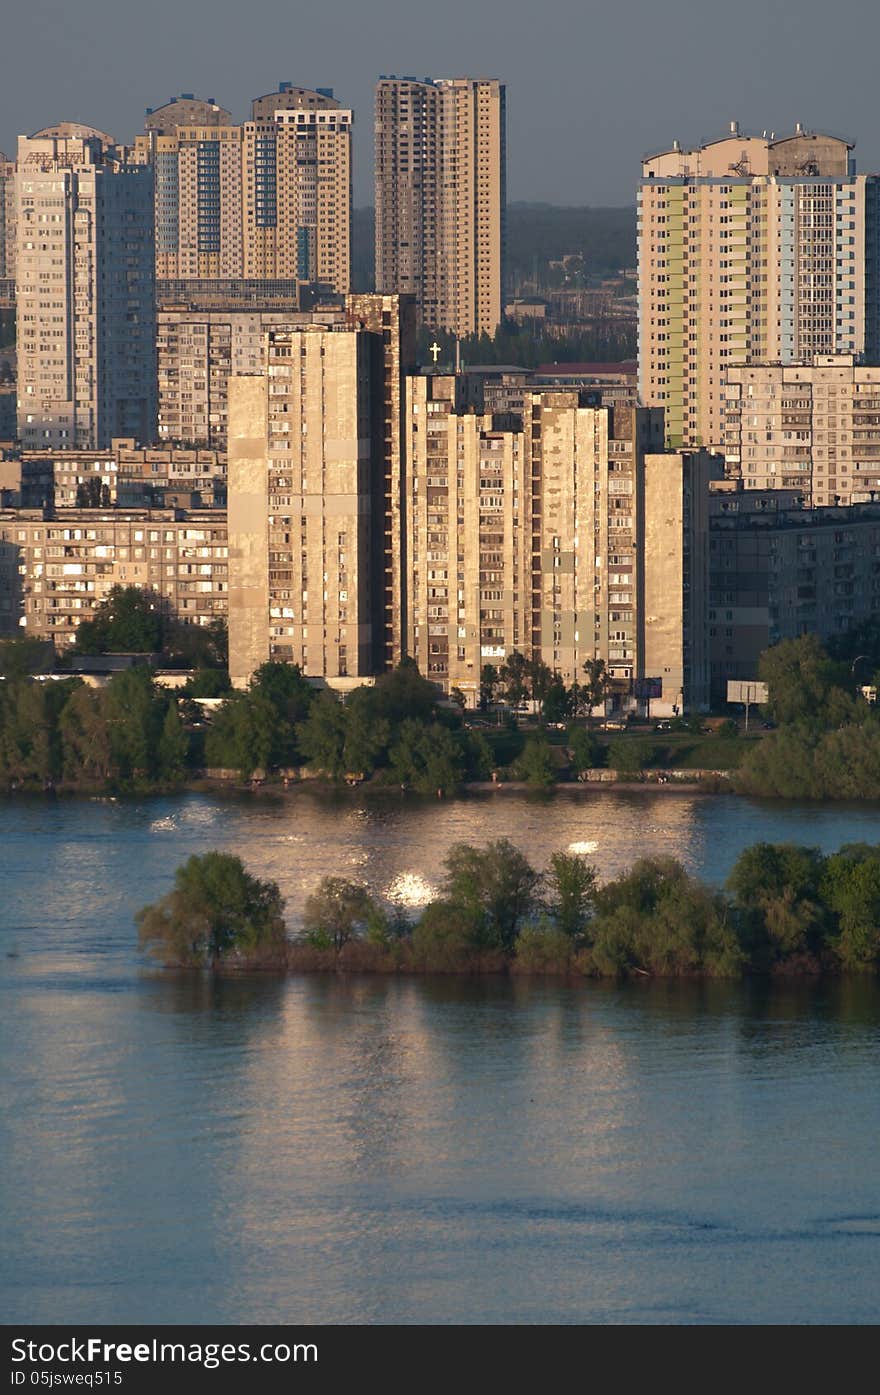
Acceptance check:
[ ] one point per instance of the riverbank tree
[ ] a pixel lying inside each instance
(827, 745)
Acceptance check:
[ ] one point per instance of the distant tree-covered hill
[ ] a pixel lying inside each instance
(537, 233)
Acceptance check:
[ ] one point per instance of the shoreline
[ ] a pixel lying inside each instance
(796, 973)
(207, 785)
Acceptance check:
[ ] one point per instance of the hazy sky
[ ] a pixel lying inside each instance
(590, 88)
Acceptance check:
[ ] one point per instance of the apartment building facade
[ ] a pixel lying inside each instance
(7, 229)
(751, 249)
(813, 427)
(56, 565)
(567, 534)
(777, 571)
(314, 496)
(441, 198)
(85, 292)
(197, 353)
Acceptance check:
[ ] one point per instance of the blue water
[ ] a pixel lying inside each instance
(365, 1149)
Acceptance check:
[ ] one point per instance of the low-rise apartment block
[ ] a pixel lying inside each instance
(56, 565)
(126, 474)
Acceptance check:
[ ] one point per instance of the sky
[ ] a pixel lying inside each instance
(590, 87)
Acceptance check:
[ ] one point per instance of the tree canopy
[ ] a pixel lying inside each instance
(217, 914)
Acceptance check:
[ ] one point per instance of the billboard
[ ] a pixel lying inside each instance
(746, 691)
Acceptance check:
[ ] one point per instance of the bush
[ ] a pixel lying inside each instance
(630, 755)
(543, 949)
(444, 939)
(656, 919)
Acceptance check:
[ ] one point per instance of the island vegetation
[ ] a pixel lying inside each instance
(785, 909)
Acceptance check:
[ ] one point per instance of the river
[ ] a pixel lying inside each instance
(418, 1150)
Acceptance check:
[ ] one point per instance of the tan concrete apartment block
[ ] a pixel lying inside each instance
(248, 529)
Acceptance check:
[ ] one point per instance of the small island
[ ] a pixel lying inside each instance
(784, 910)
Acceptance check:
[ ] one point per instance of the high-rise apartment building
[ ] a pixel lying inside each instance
(751, 249)
(813, 427)
(314, 476)
(297, 188)
(198, 352)
(269, 200)
(85, 292)
(7, 229)
(441, 198)
(185, 110)
(565, 533)
(198, 184)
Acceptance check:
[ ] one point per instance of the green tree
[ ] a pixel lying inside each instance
(851, 889)
(339, 911)
(208, 683)
(446, 938)
(494, 887)
(173, 745)
(93, 494)
(427, 758)
(404, 693)
(535, 765)
(478, 754)
(30, 745)
(246, 734)
(658, 920)
(540, 680)
(19, 658)
(515, 678)
(366, 734)
(543, 949)
(135, 714)
(777, 896)
(490, 682)
(596, 686)
(128, 621)
(185, 645)
(85, 735)
(803, 684)
(216, 914)
(284, 686)
(586, 750)
(629, 755)
(557, 701)
(571, 892)
(321, 737)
